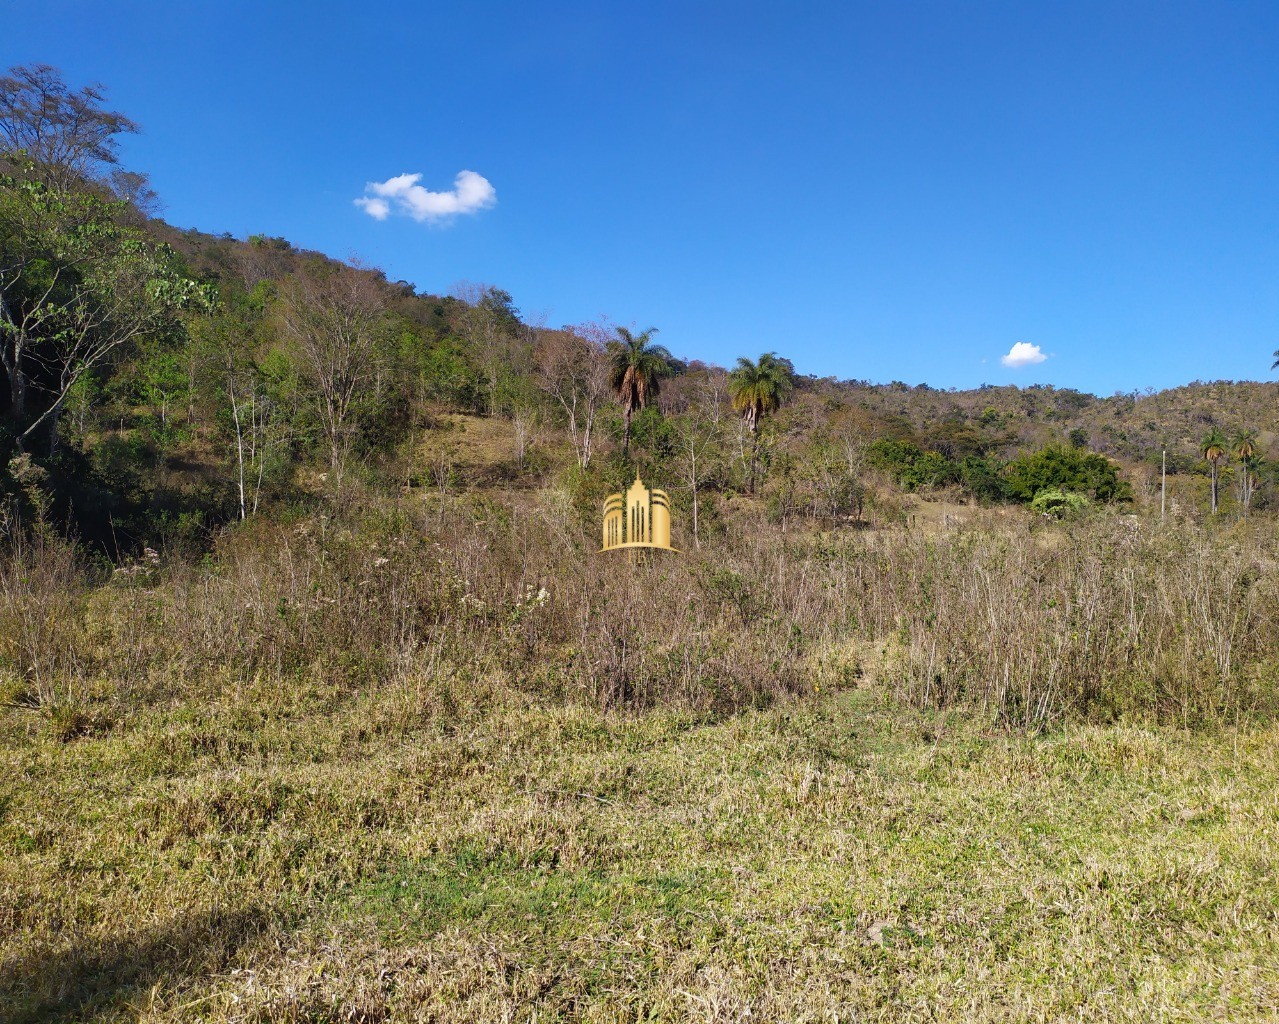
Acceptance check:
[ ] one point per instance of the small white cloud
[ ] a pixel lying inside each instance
(376, 208)
(402, 194)
(1023, 354)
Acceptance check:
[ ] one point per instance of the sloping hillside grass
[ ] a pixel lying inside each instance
(438, 760)
(307, 853)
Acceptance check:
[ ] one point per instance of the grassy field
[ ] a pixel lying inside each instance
(259, 852)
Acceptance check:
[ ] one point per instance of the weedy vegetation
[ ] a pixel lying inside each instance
(402, 765)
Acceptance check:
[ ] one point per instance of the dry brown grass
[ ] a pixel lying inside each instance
(1029, 624)
(444, 762)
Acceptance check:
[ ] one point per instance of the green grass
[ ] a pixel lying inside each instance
(317, 854)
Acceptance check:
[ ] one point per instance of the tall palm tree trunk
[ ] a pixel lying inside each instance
(1213, 467)
(754, 455)
(626, 434)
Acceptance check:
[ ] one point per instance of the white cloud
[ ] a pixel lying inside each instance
(1023, 354)
(403, 195)
(378, 209)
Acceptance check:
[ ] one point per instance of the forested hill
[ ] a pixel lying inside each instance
(159, 382)
(1132, 427)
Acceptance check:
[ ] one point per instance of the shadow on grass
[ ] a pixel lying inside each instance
(75, 983)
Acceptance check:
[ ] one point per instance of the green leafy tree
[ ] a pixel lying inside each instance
(910, 466)
(162, 380)
(1213, 448)
(758, 389)
(1067, 469)
(254, 395)
(486, 318)
(636, 369)
(1243, 443)
(981, 479)
(78, 286)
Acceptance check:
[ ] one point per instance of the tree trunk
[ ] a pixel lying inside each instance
(55, 415)
(239, 442)
(754, 454)
(1213, 468)
(692, 479)
(11, 359)
(588, 425)
(17, 379)
(626, 434)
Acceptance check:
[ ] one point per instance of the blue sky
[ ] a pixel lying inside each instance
(897, 190)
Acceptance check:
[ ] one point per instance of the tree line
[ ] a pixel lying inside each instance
(158, 380)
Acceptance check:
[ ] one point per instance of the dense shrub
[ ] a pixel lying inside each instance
(909, 466)
(1066, 469)
(982, 480)
(1058, 504)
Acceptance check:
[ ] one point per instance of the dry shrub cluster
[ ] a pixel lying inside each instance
(44, 582)
(1098, 619)
(485, 594)
(1104, 619)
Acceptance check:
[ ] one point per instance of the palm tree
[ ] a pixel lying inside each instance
(1243, 446)
(1251, 473)
(758, 389)
(636, 367)
(1213, 448)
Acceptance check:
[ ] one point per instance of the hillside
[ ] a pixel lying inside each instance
(1134, 428)
(319, 701)
(124, 456)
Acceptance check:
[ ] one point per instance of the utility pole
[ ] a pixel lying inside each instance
(1163, 486)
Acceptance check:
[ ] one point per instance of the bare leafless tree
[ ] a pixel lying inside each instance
(524, 422)
(66, 133)
(701, 436)
(334, 314)
(258, 432)
(572, 367)
(261, 259)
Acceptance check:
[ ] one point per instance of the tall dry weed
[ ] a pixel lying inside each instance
(1030, 626)
(44, 583)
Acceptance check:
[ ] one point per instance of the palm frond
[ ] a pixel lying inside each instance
(636, 366)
